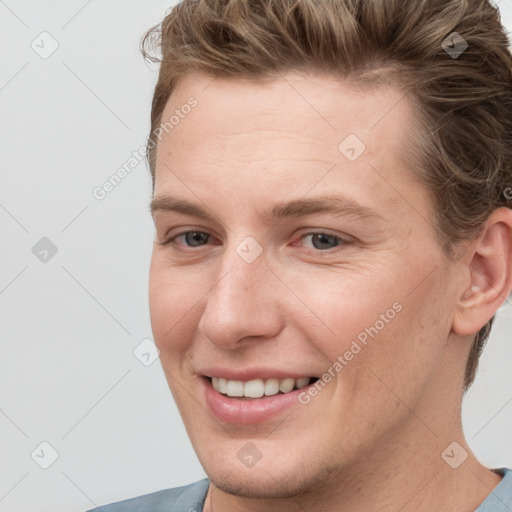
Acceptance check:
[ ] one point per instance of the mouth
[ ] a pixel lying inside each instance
(256, 389)
(260, 397)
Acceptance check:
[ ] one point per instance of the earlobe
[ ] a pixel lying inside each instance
(488, 274)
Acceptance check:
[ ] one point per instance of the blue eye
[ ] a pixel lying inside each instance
(192, 238)
(320, 239)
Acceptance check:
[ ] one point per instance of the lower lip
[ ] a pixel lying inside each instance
(248, 412)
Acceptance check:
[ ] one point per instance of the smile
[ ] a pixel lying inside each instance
(257, 388)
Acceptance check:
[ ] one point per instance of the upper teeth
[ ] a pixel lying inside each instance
(258, 387)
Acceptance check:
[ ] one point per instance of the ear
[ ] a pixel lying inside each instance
(488, 279)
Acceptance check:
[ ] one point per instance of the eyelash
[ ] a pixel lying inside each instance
(342, 241)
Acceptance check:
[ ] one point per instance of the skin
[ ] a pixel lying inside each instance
(372, 439)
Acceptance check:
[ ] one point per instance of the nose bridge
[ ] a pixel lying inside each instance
(244, 267)
(241, 304)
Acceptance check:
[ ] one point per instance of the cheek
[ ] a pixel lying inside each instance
(172, 302)
(403, 357)
(377, 321)
(345, 305)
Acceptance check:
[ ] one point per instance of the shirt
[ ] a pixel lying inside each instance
(190, 498)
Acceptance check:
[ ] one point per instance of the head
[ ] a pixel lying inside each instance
(292, 102)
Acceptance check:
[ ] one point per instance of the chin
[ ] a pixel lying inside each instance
(260, 488)
(268, 482)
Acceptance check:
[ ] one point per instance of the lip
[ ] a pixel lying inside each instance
(237, 411)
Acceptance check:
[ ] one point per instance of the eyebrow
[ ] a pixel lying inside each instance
(336, 205)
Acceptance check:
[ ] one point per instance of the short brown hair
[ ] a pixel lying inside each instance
(463, 102)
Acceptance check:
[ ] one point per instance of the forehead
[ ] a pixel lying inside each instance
(301, 104)
(304, 109)
(242, 135)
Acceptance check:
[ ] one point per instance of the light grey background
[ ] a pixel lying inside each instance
(68, 375)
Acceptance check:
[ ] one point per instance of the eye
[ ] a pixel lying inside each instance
(322, 241)
(191, 238)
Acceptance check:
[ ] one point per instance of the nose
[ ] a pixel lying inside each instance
(243, 303)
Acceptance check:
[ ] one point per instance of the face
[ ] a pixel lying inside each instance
(346, 285)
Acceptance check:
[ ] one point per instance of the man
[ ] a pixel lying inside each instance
(333, 239)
